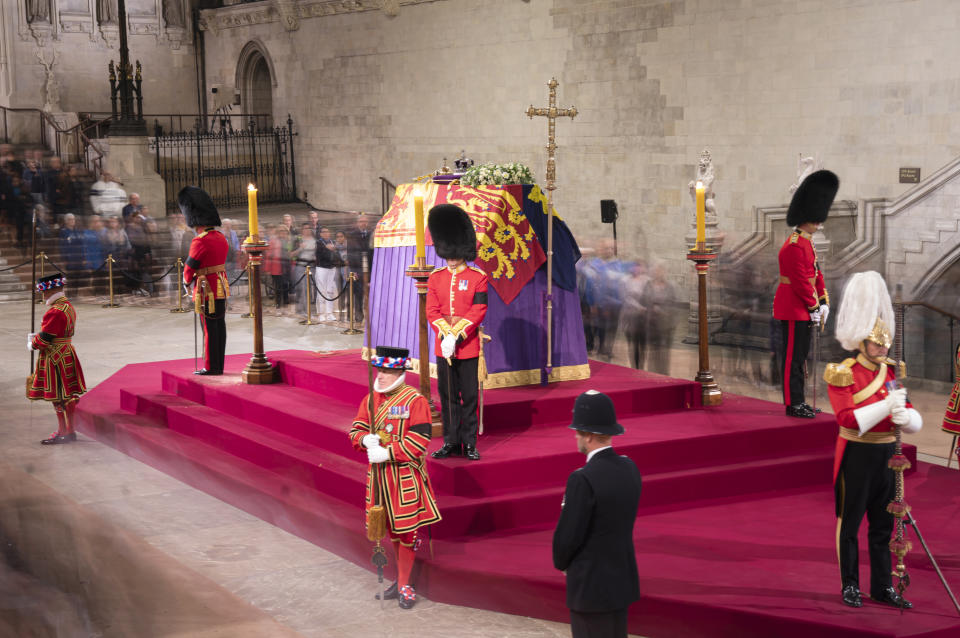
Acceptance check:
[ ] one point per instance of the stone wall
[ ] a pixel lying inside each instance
(869, 85)
(84, 46)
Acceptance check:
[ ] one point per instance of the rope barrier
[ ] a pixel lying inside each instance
(17, 266)
(147, 281)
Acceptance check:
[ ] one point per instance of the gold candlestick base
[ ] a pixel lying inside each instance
(710, 393)
(259, 370)
(420, 273)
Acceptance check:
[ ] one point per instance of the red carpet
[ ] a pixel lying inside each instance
(736, 531)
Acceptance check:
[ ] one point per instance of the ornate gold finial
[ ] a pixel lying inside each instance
(880, 334)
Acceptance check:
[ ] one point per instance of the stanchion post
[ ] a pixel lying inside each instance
(351, 330)
(710, 390)
(43, 258)
(110, 262)
(308, 321)
(259, 370)
(179, 307)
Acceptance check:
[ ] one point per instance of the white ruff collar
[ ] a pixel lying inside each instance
(54, 297)
(393, 386)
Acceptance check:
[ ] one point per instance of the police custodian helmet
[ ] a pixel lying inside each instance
(593, 412)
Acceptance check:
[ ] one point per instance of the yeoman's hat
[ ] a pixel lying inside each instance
(390, 357)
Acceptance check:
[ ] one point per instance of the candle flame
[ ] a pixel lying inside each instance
(251, 187)
(418, 191)
(699, 186)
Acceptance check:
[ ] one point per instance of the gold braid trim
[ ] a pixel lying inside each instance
(873, 387)
(868, 437)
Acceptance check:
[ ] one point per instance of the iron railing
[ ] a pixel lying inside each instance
(224, 162)
(927, 339)
(387, 191)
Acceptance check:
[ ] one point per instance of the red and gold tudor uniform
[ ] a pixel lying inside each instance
(57, 377)
(863, 482)
(457, 305)
(397, 475)
(801, 291)
(402, 421)
(951, 419)
(206, 264)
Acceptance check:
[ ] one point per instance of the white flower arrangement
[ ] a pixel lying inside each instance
(497, 174)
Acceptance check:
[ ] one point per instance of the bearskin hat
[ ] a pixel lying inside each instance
(197, 207)
(452, 231)
(813, 198)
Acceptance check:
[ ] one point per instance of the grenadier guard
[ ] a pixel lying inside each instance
(396, 446)
(207, 264)
(951, 419)
(58, 377)
(869, 404)
(456, 305)
(801, 303)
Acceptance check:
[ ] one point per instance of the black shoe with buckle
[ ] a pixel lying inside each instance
(892, 597)
(408, 597)
(851, 596)
(470, 451)
(446, 450)
(802, 410)
(57, 439)
(390, 594)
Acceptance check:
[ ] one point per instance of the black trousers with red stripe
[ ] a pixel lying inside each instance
(794, 349)
(214, 335)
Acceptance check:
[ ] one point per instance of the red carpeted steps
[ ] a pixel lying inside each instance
(281, 453)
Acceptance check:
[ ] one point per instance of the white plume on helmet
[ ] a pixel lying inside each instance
(865, 300)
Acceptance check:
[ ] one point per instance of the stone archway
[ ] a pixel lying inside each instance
(256, 80)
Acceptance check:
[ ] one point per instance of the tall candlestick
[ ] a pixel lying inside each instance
(418, 216)
(252, 208)
(701, 220)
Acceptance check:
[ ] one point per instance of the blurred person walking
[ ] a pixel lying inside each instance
(659, 298)
(635, 314)
(328, 261)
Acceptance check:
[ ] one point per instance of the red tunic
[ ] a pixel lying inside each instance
(457, 304)
(208, 254)
(403, 424)
(951, 419)
(801, 289)
(58, 375)
(853, 384)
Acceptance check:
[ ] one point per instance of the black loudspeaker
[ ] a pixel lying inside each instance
(608, 211)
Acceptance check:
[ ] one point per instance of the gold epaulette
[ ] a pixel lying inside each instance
(839, 375)
(479, 270)
(794, 237)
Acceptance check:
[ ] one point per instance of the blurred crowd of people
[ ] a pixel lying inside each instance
(629, 298)
(81, 221)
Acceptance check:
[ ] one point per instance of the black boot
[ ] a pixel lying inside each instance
(470, 451)
(891, 596)
(408, 597)
(57, 439)
(446, 450)
(802, 410)
(851, 596)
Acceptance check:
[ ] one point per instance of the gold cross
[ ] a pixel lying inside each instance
(552, 113)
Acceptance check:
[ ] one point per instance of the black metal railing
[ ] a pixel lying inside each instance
(224, 162)
(927, 340)
(169, 123)
(387, 190)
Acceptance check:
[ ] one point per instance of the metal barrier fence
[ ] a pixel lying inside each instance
(225, 161)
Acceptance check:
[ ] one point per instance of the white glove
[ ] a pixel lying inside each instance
(899, 416)
(448, 345)
(915, 424)
(369, 440)
(377, 454)
(815, 316)
(824, 313)
(30, 336)
(897, 399)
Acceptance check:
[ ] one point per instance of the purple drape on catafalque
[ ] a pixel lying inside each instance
(515, 354)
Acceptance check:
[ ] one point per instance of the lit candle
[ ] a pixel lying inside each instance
(252, 208)
(418, 216)
(701, 221)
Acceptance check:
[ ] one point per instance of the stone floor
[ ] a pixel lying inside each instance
(261, 580)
